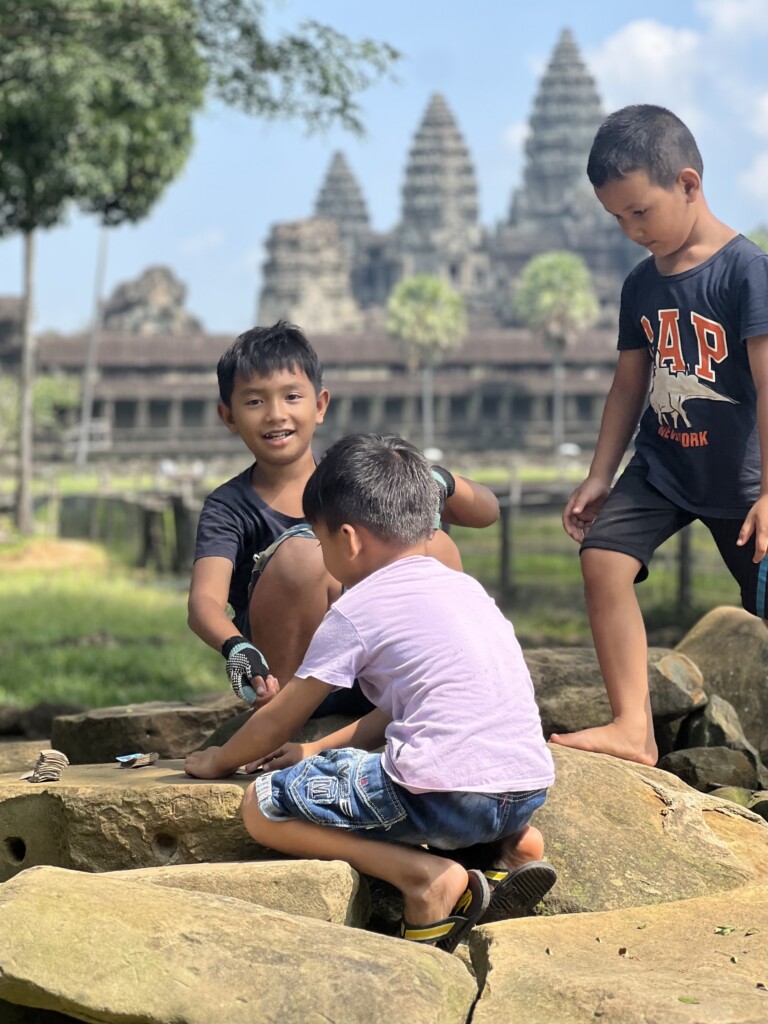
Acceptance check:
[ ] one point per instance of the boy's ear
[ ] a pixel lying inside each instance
(321, 404)
(353, 541)
(225, 415)
(691, 183)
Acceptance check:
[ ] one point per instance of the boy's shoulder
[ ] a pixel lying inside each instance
(738, 254)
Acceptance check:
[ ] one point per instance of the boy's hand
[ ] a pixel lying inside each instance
(756, 523)
(246, 665)
(582, 507)
(204, 764)
(286, 755)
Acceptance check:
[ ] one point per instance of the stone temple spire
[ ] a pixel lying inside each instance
(566, 115)
(440, 208)
(341, 199)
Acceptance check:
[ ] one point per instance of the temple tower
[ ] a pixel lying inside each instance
(438, 231)
(341, 199)
(566, 114)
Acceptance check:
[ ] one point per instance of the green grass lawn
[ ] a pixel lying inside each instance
(97, 635)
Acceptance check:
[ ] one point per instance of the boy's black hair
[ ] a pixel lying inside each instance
(263, 351)
(379, 482)
(646, 138)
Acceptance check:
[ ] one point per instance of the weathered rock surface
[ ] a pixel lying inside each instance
(102, 818)
(698, 961)
(193, 958)
(731, 648)
(326, 890)
(718, 725)
(623, 835)
(172, 728)
(708, 768)
(312, 730)
(571, 693)
(20, 755)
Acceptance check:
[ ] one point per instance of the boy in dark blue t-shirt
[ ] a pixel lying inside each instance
(272, 396)
(693, 329)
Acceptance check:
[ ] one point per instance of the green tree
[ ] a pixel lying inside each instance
(555, 298)
(427, 318)
(760, 236)
(53, 394)
(96, 99)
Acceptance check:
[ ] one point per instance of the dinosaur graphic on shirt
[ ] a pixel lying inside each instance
(670, 392)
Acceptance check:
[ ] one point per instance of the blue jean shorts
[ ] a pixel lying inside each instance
(349, 789)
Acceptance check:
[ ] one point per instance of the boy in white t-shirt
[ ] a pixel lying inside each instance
(464, 759)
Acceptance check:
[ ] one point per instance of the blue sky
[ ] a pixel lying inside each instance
(705, 59)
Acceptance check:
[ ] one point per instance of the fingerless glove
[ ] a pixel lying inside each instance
(244, 663)
(447, 485)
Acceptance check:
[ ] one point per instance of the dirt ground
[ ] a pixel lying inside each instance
(47, 553)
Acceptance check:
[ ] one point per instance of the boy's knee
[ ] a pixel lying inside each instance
(443, 548)
(297, 564)
(603, 569)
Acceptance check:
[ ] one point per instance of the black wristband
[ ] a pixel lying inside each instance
(226, 647)
(442, 474)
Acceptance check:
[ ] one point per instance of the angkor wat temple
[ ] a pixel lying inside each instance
(331, 273)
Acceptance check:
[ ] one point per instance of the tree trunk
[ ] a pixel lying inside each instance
(24, 518)
(427, 406)
(558, 396)
(89, 370)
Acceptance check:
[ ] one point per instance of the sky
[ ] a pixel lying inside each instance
(704, 59)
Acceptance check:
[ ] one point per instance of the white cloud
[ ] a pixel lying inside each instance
(735, 16)
(754, 181)
(202, 243)
(514, 136)
(253, 259)
(647, 62)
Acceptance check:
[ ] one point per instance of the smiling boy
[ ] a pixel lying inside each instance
(693, 331)
(255, 550)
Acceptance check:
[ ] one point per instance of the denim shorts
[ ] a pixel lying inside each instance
(349, 789)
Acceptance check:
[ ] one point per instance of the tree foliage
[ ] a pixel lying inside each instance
(52, 395)
(426, 317)
(555, 296)
(760, 237)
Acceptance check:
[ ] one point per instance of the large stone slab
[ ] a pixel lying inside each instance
(623, 835)
(171, 728)
(702, 961)
(730, 646)
(571, 693)
(102, 818)
(99, 949)
(326, 890)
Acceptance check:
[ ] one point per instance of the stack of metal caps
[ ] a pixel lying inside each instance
(50, 764)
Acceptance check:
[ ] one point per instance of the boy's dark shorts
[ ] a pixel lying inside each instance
(636, 519)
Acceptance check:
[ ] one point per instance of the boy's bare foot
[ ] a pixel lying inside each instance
(448, 913)
(612, 739)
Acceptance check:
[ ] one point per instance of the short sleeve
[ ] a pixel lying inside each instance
(753, 298)
(219, 532)
(336, 655)
(631, 333)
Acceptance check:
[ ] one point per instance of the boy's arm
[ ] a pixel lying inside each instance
(207, 616)
(756, 520)
(367, 733)
(265, 731)
(623, 406)
(471, 504)
(208, 599)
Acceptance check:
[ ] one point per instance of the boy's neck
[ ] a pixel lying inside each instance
(379, 554)
(282, 486)
(708, 236)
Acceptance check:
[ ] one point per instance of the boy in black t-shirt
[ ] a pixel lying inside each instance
(693, 329)
(272, 396)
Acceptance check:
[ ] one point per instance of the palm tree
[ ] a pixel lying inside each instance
(427, 318)
(555, 298)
